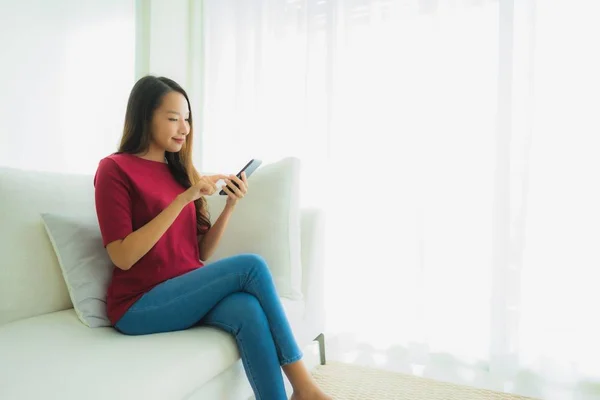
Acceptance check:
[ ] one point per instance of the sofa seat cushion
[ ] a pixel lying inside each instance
(56, 356)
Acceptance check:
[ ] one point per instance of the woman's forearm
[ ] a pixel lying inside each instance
(210, 240)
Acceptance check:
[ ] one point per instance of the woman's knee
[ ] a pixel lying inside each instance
(252, 258)
(257, 262)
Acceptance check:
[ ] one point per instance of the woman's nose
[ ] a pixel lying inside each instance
(185, 128)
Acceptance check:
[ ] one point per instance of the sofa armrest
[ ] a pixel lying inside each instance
(313, 262)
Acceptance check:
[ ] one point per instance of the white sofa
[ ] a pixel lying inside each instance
(47, 353)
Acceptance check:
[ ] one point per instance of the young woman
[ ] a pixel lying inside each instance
(156, 230)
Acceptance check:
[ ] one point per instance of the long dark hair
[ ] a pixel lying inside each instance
(144, 99)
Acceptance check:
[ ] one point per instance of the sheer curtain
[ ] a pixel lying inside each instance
(451, 144)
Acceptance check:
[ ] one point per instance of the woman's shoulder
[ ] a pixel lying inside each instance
(115, 161)
(131, 167)
(116, 165)
(109, 167)
(117, 158)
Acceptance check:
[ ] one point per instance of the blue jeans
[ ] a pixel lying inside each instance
(237, 295)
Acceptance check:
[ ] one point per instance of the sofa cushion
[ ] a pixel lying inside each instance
(68, 361)
(56, 356)
(85, 264)
(267, 222)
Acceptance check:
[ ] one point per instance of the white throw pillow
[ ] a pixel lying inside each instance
(267, 222)
(84, 262)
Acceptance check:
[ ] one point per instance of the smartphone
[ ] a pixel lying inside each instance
(248, 169)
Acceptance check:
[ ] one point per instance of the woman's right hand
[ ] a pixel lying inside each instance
(206, 186)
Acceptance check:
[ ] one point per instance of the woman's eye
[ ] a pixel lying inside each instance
(173, 119)
(187, 120)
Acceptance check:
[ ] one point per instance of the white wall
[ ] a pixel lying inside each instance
(66, 69)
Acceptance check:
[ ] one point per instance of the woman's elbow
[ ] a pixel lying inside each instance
(118, 256)
(122, 266)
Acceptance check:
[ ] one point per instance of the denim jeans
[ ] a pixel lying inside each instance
(237, 295)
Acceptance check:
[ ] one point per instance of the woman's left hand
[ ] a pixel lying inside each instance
(236, 192)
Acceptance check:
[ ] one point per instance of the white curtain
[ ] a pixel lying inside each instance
(452, 144)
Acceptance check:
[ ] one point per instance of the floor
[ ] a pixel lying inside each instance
(352, 382)
(445, 368)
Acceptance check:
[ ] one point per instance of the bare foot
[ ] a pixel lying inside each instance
(314, 394)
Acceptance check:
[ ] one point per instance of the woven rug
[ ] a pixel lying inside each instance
(352, 382)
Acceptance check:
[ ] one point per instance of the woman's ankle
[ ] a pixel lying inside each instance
(299, 376)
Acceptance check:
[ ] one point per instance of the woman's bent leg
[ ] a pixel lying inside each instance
(242, 315)
(181, 302)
